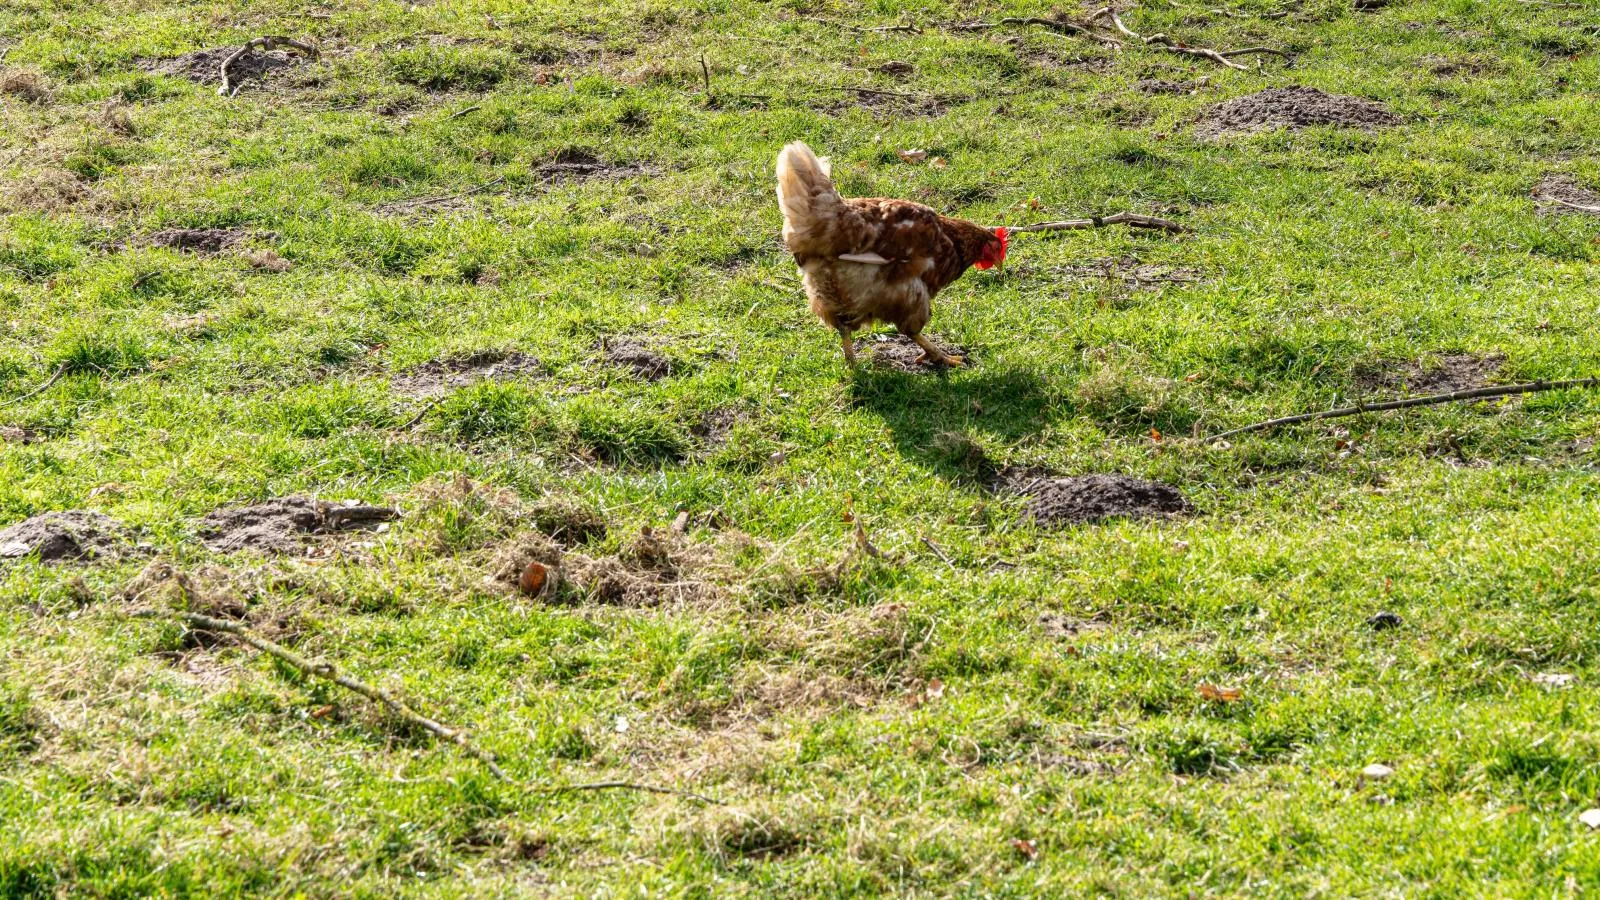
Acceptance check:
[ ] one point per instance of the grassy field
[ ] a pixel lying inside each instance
(990, 707)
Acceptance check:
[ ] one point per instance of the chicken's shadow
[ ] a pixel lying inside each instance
(944, 419)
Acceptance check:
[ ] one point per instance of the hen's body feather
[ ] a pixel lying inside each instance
(869, 259)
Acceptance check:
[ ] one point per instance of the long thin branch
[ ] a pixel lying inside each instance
(1132, 220)
(625, 786)
(399, 707)
(60, 371)
(1406, 403)
(266, 42)
(1577, 206)
(327, 672)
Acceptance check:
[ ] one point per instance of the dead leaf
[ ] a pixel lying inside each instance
(935, 689)
(535, 579)
(322, 712)
(1220, 694)
(1026, 848)
(1155, 435)
(913, 156)
(938, 163)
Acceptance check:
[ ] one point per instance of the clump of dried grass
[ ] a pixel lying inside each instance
(29, 87)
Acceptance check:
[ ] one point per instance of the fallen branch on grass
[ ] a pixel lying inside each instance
(327, 672)
(394, 704)
(1132, 220)
(60, 371)
(1430, 400)
(267, 42)
(1577, 206)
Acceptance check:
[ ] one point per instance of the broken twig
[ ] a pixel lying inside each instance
(60, 371)
(327, 672)
(1430, 400)
(459, 113)
(1132, 220)
(267, 42)
(625, 786)
(1577, 206)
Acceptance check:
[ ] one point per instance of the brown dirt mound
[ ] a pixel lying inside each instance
(632, 354)
(715, 426)
(68, 535)
(440, 376)
(1293, 108)
(281, 525)
(1449, 373)
(197, 240)
(580, 165)
(1086, 499)
(205, 66)
(1561, 194)
(898, 352)
(1162, 86)
(15, 434)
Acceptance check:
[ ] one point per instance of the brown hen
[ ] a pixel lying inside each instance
(869, 259)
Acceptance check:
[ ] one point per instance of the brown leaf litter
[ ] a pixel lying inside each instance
(72, 534)
(1293, 108)
(438, 377)
(1085, 499)
(282, 526)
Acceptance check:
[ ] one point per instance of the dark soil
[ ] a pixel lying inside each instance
(1162, 86)
(1131, 272)
(198, 240)
(714, 427)
(1293, 108)
(634, 355)
(580, 165)
(1556, 191)
(1449, 373)
(205, 66)
(282, 525)
(1082, 499)
(58, 536)
(900, 353)
(14, 434)
(438, 377)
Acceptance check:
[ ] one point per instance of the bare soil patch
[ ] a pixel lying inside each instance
(1084, 499)
(900, 353)
(1293, 108)
(16, 434)
(205, 66)
(438, 377)
(1443, 375)
(198, 240)
(1562, 194)
(1157, 86)
(62, 536)
(632, 354)
(714, 427)
(580, 165)
(282, 526)
(1130, 271)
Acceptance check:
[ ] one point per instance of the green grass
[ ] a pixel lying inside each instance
(133, 762)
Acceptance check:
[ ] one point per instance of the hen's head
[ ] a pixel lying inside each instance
(994, 252)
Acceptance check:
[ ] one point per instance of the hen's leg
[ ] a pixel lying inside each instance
(930, 353)
(849, 346)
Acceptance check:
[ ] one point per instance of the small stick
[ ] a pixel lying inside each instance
(457, 115)
(1407, 403)
(417, 419)
(60, 371)
(705, 73)
(268, 42)
(626, 786)
(1578, 206)
(937, 552)
(1132, 220)
(328, 672)
(426, 201)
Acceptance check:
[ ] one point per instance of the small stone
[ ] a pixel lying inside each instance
(1384, 621)
(1590, 817)
(1376, 772)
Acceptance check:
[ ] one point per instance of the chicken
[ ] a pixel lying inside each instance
(866, 260)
